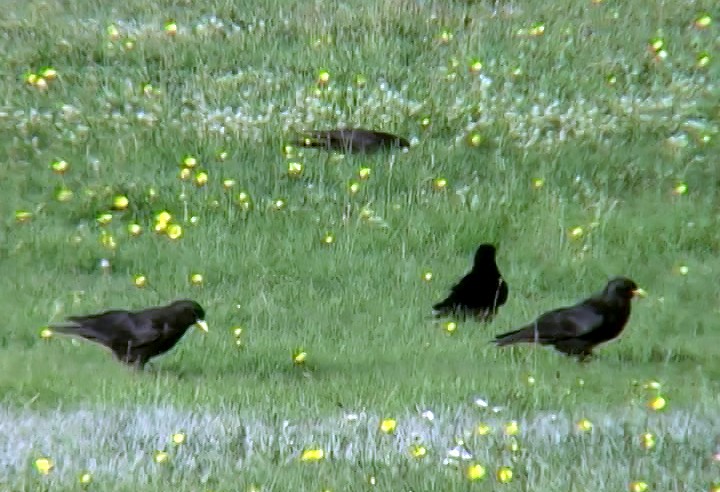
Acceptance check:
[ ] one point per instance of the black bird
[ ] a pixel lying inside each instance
(576, 330)
(352, 140)
(134, 337)
(479, 293)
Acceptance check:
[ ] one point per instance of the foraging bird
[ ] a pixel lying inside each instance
(352, 140)
(576, 330)
(479, 293)
(134, 337)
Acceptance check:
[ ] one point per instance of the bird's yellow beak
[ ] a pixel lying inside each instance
(202, 325)
(640, 292)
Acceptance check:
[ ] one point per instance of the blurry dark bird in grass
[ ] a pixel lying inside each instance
(134, 337)
(352, 140)
(577, 330)
(479, 293)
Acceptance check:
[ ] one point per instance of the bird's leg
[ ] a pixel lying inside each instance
(585, 357)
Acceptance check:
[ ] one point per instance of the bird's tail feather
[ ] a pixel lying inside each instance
(526, 334)
(74, 328)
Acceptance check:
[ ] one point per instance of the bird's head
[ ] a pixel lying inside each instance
(484, 254)
(194, 311)
(623, 287)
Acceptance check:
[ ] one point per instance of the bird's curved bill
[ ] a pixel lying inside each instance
(202, 325)
(640, 292)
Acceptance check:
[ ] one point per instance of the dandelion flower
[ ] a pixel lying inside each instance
(638, 486)
(584, 425)
(658, 403)
(44, 465)
(512, 428)
(311, 455)
(475, 472)
(388, 426)
(504, 474)
(161, 457)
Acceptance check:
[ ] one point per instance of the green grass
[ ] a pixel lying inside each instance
(585, 107)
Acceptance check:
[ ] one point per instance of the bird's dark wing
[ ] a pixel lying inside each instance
(101, 328)
(569, 322)
(111, 328)
(146, 329)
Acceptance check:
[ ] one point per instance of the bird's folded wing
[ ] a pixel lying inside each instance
(571, 322)
(147, 331)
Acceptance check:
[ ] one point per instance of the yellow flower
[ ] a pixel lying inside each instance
(44, 465)
(201, 178)
(648, 440)
(49, 73)
(46, 333)
(658, 403)
(418, 451)
(163, 217)
(196, 279)
(140, 280)
(504, 474)
(638, 486)
(104, 219)
(328, 239)
(483, 430)
(450, 326)
(134, 229)
(299, 357)
(178, 438)
(576, 232)
(60, 167)
(584, 425)
(174, 231)
(427, 276)
(310, 455)
(680, 189)
(440, 183)
(475, 472)
(294, 169)
(323, 77)
(185, 173)
(388, 426)
(120, 202)
(475, 139)
(364, 172)
(229, 183)
(512, 428)
(85, 478)
(64, 195)
(161, 457)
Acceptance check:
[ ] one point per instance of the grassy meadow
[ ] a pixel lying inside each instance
(580, 137)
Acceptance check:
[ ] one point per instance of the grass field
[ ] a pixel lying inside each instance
(581, 137)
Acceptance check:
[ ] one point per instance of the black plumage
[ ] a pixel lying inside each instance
(134, 337)
(577, 330)
(352, 140)
(479, 293)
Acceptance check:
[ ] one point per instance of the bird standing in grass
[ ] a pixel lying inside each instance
(479, 293)
(352, 140)
(134, 337)
(576, 330)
